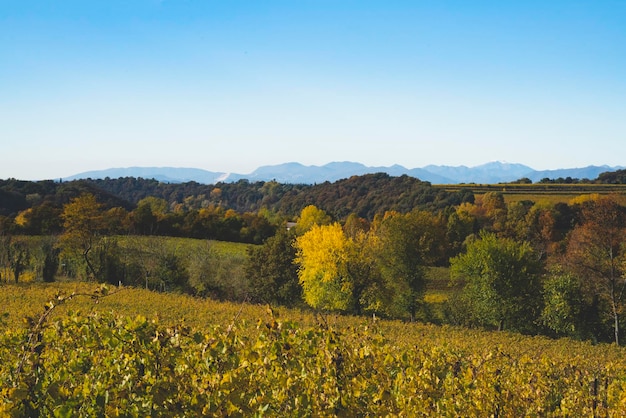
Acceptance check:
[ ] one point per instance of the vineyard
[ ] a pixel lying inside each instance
(85, 350)
(545, 193)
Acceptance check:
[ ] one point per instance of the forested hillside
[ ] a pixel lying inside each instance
(364, 195)
(363, 245)
(179, 204)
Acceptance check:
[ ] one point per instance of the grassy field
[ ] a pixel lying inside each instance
(181, 245)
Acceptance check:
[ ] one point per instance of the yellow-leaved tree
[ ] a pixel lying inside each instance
(310, 216)
(323, 254)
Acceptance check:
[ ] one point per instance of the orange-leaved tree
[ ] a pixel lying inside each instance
(83, 222)
(597, 253)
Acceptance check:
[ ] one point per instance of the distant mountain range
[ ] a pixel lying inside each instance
(490, 173)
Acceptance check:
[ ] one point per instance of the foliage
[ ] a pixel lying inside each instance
(309, 217)
(405, 244)
(393, 228)
(323, 254)
(17, 256)
(83, 222)
(49, 252)
(595, 250)
(216, 273)
(373, 194)
(460, 225)
(501, 282)
(365, 195)
(613, 177)
(271, 272)
(379, 270)
(67, 363)
(564, 305)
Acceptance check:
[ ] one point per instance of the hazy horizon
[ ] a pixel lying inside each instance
(233, 86)
(498, 172)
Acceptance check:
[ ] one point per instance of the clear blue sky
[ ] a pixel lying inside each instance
(234, 85)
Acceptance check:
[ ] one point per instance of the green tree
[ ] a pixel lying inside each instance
(18, 256)
(272, 273)
(517, 225)
(172, 272)
(111, 268)
(144, 221)
(46, 257)
(216, 274)
(144, 254)
(461, 224)
(564, 308)
(501, 278)
(51, 264)
(369, 290)
(157, 205)
(406, 243)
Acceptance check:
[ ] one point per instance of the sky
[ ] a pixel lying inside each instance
(231, 85)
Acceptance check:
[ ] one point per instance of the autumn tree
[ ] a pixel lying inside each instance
(355, 225)
(378, 270)
(311, 216)
(340, 272)
(516, 225)
(323, 254)
(83, 223)
(461, 224)
(501, 281)
(495, 210)
(41, 219)
(541, 229)
(117, 220)
(596, 251)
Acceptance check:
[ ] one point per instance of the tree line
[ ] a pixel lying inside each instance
(555, 269)
(226, 211)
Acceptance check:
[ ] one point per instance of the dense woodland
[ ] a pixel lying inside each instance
(365, 196)
(362, 245)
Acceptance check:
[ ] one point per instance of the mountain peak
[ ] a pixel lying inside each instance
(294, 172)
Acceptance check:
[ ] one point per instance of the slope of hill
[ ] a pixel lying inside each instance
(364, 195)
(118, 357)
